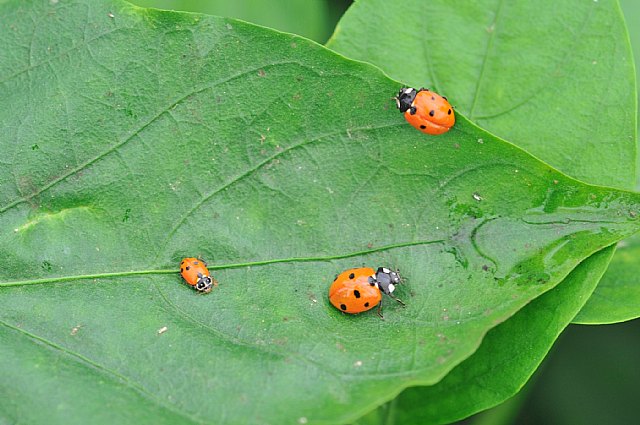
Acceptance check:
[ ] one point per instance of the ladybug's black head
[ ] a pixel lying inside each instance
(405, 98)
(204, 283)
(387, 280)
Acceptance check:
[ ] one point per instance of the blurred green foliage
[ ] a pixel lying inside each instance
(631, 11)
(314, 19)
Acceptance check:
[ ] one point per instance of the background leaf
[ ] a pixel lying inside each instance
(618, 292)
(309, 18)
(503, 63)
(135, 137)
(616, 298)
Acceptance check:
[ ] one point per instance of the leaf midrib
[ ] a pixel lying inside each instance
(224, 266)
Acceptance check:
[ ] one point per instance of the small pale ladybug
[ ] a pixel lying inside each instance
(194, 271)
(426, 110)
(356, 290)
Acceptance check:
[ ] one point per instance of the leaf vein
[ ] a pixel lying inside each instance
(111, 374)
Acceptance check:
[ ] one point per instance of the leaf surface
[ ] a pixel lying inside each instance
(525, 72)
(512, 350)
(135, 137)
(618, 293)
(478, 55)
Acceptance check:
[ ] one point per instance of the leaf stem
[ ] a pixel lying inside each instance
(222, 266)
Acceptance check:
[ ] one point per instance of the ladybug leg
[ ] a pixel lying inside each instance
(380, 310)
(203, 262)
(397, 299)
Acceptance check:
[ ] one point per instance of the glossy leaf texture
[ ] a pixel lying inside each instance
(509, 354)
(616, 298)
(504, 64)
(618, 292)
(492, 47)
(135, 137)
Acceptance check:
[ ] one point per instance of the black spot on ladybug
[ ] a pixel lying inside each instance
(195, 263)
(372, 282)
(188, 267)
(445, 97)
(433, 98)
(449, 112)
(432, 113)
(181, 269)
(343, 307)
(356, 293)
(366, 304)
(351, 276)
(423, 126)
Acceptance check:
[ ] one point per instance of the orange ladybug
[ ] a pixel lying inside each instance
(356, 290)
(194, 271)
(426, 110)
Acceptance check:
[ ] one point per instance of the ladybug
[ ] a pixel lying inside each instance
(426, 110)
(356, 290)
(194, 271)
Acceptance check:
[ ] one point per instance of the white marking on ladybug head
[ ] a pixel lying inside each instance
(391, 287)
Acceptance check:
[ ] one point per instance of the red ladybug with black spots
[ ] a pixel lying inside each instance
(360, 289)
(194, 271)
(426, 110)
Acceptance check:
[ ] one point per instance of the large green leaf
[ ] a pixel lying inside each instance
(531, 72)
(508, 352)
(535, 64)
(134, 137)
(618, 293)
(479, 40)
(310, 19)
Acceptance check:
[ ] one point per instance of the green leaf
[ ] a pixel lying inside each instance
(310, 19)
(618, 294)
(135, 137)
(470, 56)
(616, 298)
(530, 72)
(510, 351)
(555, 79)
